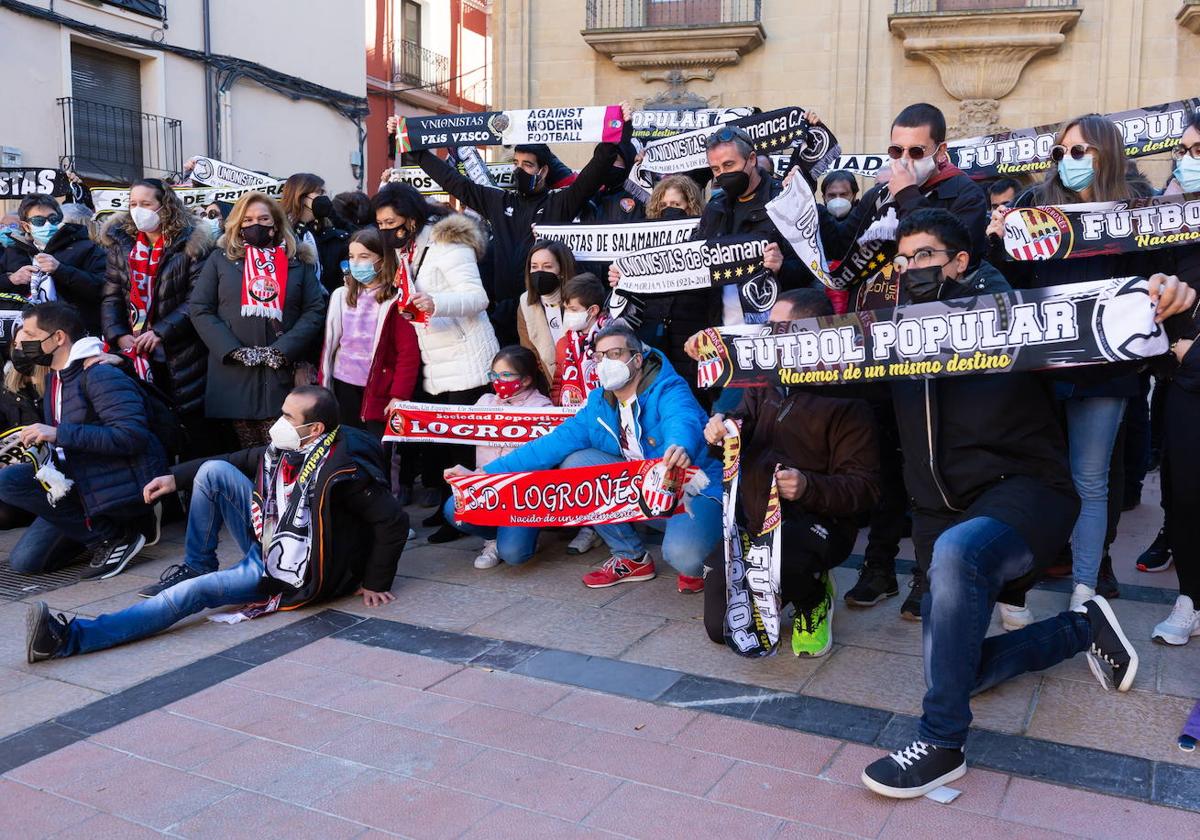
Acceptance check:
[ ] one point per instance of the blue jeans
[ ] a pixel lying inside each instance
(687, 540)
(972, 561)
(221, 494)
(1092, 426)
(514, 544)
(32, 553)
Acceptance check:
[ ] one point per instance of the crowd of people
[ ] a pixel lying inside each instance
(237, 364)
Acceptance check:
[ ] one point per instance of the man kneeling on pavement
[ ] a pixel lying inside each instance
(311, 513)
(821, 450)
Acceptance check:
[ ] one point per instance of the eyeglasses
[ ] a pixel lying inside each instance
(208, 214)
(1077, 151)
(502, 376)
(39, 221)
(617, 354)
(914, 152)
(1181, 151)
(727, 134)
(920, 259)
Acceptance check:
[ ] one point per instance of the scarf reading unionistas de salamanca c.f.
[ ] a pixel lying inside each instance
(264, 282)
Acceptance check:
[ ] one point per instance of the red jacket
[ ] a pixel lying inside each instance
(395, 366)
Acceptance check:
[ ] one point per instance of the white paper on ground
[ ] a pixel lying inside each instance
(944, 795)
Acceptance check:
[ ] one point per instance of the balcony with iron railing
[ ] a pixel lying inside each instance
(927, 7)
(149, 8)
(119, 144)
(416, 67)
(673, 33)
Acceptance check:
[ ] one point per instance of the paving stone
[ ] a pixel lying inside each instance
(37, 699)
(29, 812)
(1067, 810)
(516, 731)
(635, 718)
(401, 705)
(245, 814)
(406, 806)
(446, 606)
(518, 824)
(547, 787)
(265, 716)
(375, 663)
(662, 765)
(62, 767)
(756, 743)
(659, 597)
(398, 749)
(174, 740)
(1179, 671)
(35, 742)
(649, 812)
(11, 678)
(566, 625)
(923, 818)
(280, 771)
(496, 688)
(106, 827)
(412, 638)
(601, 673)
(1135, 723)
(298, 681)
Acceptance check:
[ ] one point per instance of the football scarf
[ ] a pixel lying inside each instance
(143, 269)
(605, 243)
(595, 124)
(1069, 231)
(466, 425)
(406, 286)
(264, 282)
(575, 368)
(1059, 326)
(752, 605)
(286, 530)
(40, 456)
(629, 491)
(214, 173)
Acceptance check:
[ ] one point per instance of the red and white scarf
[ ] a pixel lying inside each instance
(144, 258)
(575, 367)
(264, 282)
(405, 283)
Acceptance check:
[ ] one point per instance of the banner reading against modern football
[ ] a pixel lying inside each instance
(628, 491)
(1101, 227)
(594, 124)
(1059, 326)
(752, 605)
(1024, 151)
(605, 243)
(114, 200)
(215, 173)
(698, 264)
(20, 181)
(771, 131)
(467, 425)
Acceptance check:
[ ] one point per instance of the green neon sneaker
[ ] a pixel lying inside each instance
(812, 630)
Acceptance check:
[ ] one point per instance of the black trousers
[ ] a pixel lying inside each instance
(436, 458)
(889, 517)
(1180, 440)
(350, 399)
(809, 545)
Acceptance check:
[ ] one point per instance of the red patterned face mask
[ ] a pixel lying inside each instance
(506, 389)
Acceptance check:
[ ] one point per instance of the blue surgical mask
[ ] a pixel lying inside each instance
(363, 272)
(1187, 173)
(218, 227)
(42, 235)
(1076, 175)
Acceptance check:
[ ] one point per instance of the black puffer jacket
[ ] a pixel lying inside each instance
(182, 355)
(78, 278)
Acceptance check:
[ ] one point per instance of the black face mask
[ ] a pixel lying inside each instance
(673, 214)
(26, 354)
(615, 180)
(734, 184)
(258, 236)
(924, 284)
(322, 207)
(527, 184)
(396, 237)
(544, 281)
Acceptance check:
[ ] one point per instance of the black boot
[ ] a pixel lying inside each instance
(910, 610)
(1106, 581)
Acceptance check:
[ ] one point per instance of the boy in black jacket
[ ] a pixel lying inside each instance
(316, 522)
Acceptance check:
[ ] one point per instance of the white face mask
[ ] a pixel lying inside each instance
(839, 207)
(285, 436)
(613, 375)
(145, 219)
(577, 321)
(924, 169)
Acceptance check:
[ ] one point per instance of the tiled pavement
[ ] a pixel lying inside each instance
(350, 733)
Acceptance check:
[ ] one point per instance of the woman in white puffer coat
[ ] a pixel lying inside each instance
(449, 308)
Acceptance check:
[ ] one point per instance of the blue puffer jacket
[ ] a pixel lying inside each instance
(666, 414)
(111, 454)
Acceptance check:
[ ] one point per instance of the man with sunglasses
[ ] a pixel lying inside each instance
(921, 177)
(46, 247)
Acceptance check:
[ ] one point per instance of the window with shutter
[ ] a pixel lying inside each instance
(106, 114)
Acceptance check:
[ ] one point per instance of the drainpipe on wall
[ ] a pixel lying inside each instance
(212, 133)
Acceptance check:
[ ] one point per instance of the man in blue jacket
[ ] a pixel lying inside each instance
(98, 428)
(643, 410)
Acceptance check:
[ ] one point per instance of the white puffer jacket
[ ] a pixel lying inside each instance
(458, 343)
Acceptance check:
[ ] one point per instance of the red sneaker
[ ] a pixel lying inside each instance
(620, 570)
(690, 585)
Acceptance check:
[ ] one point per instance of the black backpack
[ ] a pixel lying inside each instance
(161, 416)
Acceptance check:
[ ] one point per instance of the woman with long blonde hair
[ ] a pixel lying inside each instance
(259, 309)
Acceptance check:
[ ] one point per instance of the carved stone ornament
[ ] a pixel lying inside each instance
(977, 117)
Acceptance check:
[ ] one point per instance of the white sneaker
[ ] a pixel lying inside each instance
(1181, 624)
(584, 541)
(488, 558)
(1081, 593)
(1014, 618)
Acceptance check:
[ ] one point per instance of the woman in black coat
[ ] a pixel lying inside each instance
(150, 323)
(257, 320)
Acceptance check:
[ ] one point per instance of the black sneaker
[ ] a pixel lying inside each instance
(1156, 558)
(914, 770)
(45, 635)
(435, 518)
(446, 533)
(1106, 581)
(1111, 657)
(874, 584)
(170, 576)
(111, 557)
(910, 610)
